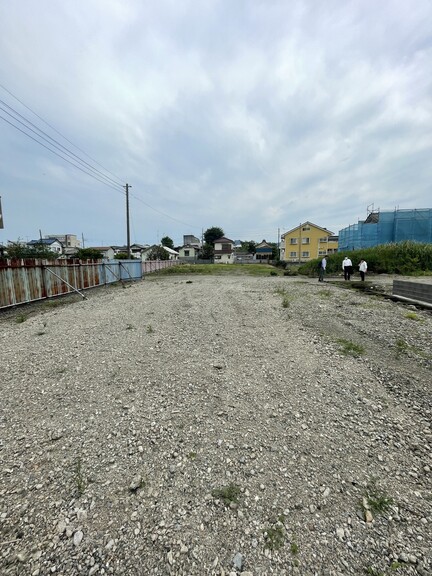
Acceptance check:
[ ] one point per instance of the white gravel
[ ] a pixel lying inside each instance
(125, 418)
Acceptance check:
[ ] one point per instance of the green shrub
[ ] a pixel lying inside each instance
(407, 258)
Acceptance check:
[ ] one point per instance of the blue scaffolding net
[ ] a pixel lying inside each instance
(386, 227)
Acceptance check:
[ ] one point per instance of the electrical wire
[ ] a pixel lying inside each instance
(60, 156)
(62, 150)
(164, 214)
(52, 142)
(57, 132)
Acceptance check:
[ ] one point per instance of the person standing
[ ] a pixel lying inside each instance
(322, 269)
(362, 268)
(347, 268)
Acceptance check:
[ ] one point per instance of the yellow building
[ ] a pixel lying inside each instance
(306, 242)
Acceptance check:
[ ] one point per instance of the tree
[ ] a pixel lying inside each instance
(275, 251)
(88, 254)
(167, 241)
(123, 256)
(207, 251)
(212, 234)
(158, 253)
(18, 250)
(249, 246)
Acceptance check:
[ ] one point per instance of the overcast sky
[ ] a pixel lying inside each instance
(249, 115)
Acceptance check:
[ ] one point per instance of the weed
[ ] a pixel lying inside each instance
(413, 316)
(325, 293)
(192, 455)
(188, 281)
(20, 318)
(274, 273)
(375, 499)
(401, 347)
(294, 548)
(53, 303)
(280, 291)
(149, 329)
(349, 348)
(227, 494)
(79, 477)
(274, 537)
(395, 565)
(285, 301)
(129, 326)
(373, 571)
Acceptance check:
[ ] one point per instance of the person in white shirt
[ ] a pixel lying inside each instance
(363, 268)
(347, 268)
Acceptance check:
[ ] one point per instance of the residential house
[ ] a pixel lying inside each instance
(223, 251)
(189, 253)
(172, 254)
(189, 239)
(108, 252)
(49, 243)
(264, 251)
(136, 250)
(68, 240)
(306, 242)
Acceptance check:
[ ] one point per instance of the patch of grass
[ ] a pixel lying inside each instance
(53, 303)
(20, 318)
(274, 537)
(401, 347)
(286, 298)
(149, 329)
(349, 348)
(373, 571)
(192, 455)
(395, 565)
(375, 499)
(218, 269)
(413, 316)
(324, 293)
(294, 548)
(227, 494)
(286, 301)
(80, 481)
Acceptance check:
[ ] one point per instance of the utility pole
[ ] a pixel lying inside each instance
(127, 219)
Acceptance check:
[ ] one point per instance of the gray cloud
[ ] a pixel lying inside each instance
(251, 116)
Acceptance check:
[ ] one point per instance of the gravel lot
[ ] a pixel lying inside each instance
(194, 425)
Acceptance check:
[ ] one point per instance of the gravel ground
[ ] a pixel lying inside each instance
(196, 425)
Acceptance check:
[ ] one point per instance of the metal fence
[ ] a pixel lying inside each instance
(23, 281)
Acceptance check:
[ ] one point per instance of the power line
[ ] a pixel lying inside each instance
(54, 143)
(163, 213)
(59, 133)
(63, 151)
(62, 157)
